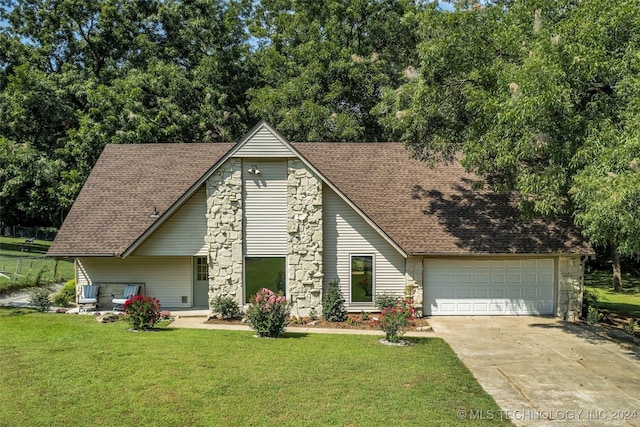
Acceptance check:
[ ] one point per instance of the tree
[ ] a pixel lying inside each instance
(77, 74)
(540, 97)
(325, 63)
(333, 309)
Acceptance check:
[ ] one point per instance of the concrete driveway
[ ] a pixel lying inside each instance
(542, 371)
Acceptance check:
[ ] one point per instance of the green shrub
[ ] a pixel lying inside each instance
(225, 307)
(630, 327)
(333, 304)
(142, 312)
(590, 298)
(385, 300)
(268, 313)
(66, 294)
(593, 316)
(313, 316)
(393, 320)
(39, 299)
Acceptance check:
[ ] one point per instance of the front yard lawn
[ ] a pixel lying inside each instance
(61, 369)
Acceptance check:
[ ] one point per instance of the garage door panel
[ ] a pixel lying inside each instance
(546, 307)
(448, 278)
(497, 278)
(545, 263)
(488, 287)
(464, 293)
(498, 308)
(513, 264)
(545, 278)
(496, 264)
(481, 307)
(465, 278)
(512, 293)
(480, 293)
(480, 278)
(498, 293)
(446, 308)
(516, 278)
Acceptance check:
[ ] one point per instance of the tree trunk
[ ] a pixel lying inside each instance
(617, 271)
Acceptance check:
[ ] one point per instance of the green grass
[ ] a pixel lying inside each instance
(70, 370)
(625, 302)
(23, 262)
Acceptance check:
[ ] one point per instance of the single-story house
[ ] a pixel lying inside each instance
(195, 221)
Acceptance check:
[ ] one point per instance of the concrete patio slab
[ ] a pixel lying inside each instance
(543, 371)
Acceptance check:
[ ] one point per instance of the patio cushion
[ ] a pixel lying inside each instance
(88, 294)
(130, 291)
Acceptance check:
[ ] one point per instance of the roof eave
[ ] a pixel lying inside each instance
(500, 254)
(80, 255)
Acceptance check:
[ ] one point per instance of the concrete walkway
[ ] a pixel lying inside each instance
(542, 371)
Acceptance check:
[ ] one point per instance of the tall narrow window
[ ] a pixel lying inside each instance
(362, 286)
(264, 272)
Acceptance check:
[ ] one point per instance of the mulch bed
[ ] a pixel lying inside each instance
(615, 324)
(354, 321)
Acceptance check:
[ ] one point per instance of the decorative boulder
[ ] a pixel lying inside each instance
(108, 318)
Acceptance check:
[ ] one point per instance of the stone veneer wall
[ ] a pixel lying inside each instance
(304, 246)
(413, 277)
(570, 285)
(224, 231)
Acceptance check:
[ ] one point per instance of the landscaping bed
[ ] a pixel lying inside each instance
(617, 309)
(354, 321)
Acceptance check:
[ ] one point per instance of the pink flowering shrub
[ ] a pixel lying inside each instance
(268, 313)
(142, 312)
(394, 319)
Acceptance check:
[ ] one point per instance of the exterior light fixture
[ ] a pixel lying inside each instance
(254, 170)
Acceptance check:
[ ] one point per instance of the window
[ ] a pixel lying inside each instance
(264, 272)
(362, 285)
(202, 268)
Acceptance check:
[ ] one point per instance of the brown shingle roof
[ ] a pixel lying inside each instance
(435, 210)
(125, 185)
(422, 209)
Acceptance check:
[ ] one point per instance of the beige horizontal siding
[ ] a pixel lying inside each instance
(264, 144)
(346, 233)
(265, 208)
(183, 233)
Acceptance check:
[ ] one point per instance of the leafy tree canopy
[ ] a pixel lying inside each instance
(78, 74)
(538, 96)
(325, 64)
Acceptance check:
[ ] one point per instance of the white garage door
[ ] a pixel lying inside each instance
(488, 287)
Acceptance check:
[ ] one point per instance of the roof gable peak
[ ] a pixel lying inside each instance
(263, 140)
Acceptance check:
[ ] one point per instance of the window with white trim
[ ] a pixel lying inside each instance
(264, 272)
(362, 286)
